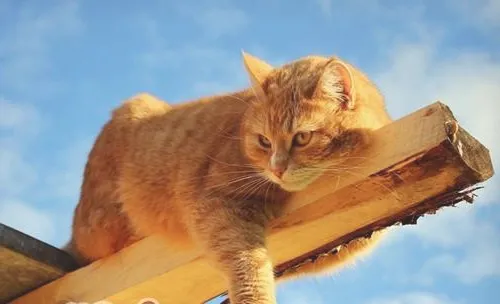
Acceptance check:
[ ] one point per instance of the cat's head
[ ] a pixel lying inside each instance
(304, 117)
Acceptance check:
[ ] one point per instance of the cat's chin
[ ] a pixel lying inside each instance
(287, 185)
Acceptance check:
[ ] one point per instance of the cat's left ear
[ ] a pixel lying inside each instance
(337, 82)
(257, 69)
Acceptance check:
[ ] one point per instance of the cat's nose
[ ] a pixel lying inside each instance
(278, 171)
(278, 164)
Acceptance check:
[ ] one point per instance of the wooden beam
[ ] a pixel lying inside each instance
(416, 165)
(27, 263)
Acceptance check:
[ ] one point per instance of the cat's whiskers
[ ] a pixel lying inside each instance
(234, 97)
(259, 187)
(252, 188)
(244, 191)
(336, 168)
(269, 185)
(338, 171)
(244, 187)
(220, 133)
(233, 164)
(234, 137)
(219, 174)
(260, 179)
(209, 190)
(215, 188)
(236, 180)
(331, 168)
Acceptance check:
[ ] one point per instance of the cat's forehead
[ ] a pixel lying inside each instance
(294, 80)
(286, 118)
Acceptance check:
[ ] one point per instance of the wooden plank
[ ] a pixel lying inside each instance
(27, 263)
(416, 165)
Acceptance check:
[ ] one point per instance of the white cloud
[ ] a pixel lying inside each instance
(27, 219)
(415, 298)
(18, 122)
(16, 115)
(16, 174)
(467, 248)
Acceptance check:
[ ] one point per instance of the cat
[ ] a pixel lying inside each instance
(211, 173)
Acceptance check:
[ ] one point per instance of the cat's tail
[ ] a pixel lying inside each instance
(327, 264)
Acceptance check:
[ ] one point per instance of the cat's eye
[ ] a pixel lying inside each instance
(302, 139)
(264, 142)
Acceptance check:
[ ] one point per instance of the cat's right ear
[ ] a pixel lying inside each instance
(337, 81)
(257, 69)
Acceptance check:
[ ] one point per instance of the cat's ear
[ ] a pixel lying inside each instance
(337, 82)
(257, 69)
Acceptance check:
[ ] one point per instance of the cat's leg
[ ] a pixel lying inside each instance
(233, 237)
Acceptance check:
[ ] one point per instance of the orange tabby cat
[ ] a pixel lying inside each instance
(207, 172)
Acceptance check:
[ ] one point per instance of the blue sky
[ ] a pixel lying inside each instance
(65, 64)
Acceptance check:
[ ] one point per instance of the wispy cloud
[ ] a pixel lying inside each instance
(16, 174)
(27, 219)
(18, 123)
(466, 247)
(17, 116)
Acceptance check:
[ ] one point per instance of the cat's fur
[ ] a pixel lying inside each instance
(199, 174)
